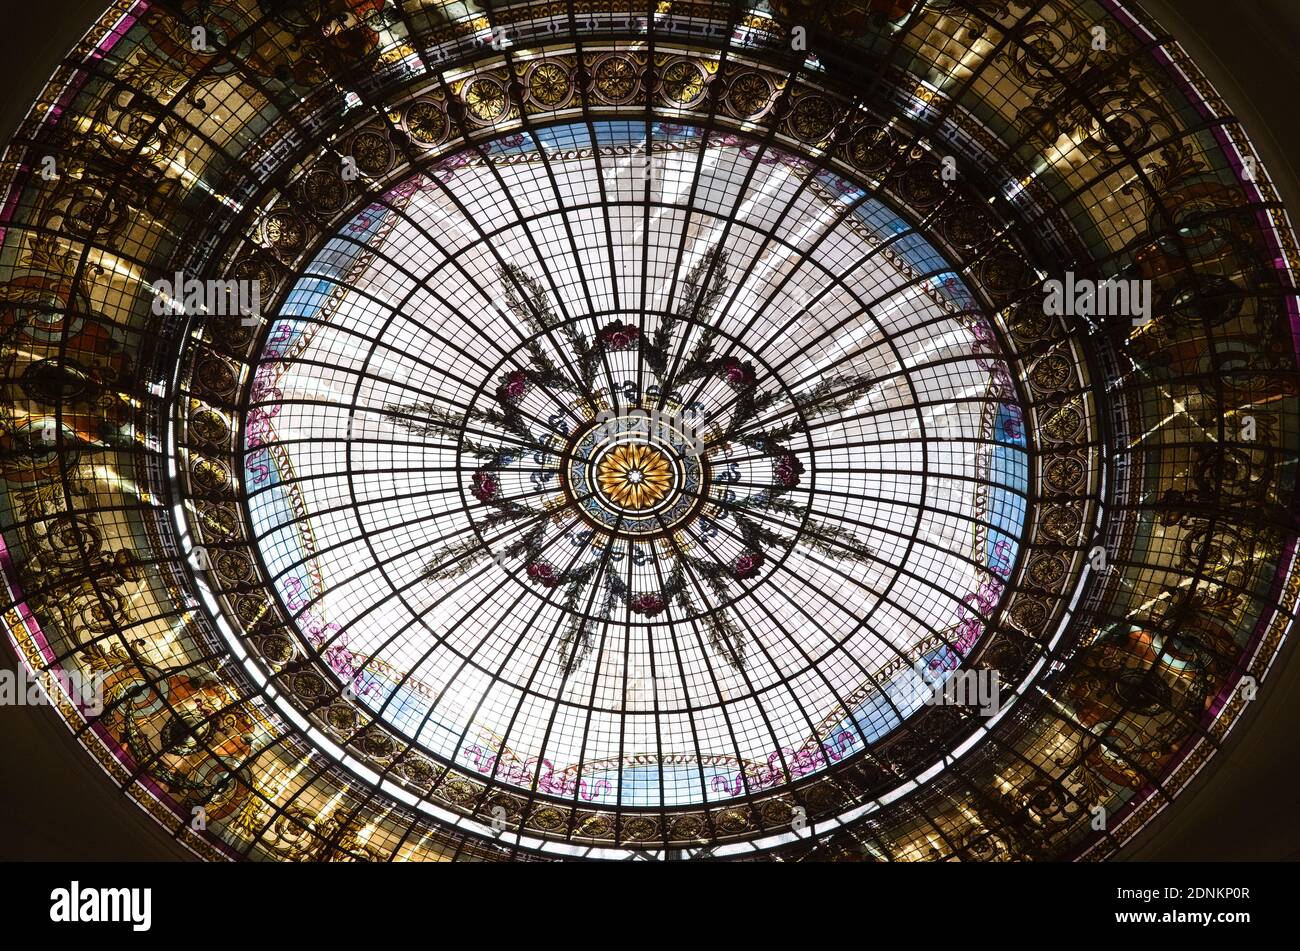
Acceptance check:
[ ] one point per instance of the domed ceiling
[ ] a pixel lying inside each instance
(607, 428)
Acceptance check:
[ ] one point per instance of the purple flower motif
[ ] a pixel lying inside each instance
(746, 565)
(739, 373)
(514, 387)
(648, 605)
(787, 470)
(619, 336)
(543, 573)
(484, 486)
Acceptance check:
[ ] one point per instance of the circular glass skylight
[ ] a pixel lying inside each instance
(584, 472)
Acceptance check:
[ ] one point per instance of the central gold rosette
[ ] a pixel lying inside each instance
(634, 476)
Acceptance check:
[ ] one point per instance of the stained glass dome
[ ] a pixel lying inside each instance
(464, 538)
(643, 414)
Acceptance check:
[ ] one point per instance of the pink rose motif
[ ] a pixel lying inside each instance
(738, 373)
(514, 387)
(746, 565)
(484, 486)
(543, 573)
(648, 605)
(619, 336)
(787, 470)
(341, 660)
(1011, 428)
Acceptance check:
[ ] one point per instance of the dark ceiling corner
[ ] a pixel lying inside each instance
(55, 801)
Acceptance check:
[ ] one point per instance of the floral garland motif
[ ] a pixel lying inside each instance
(575, 488)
